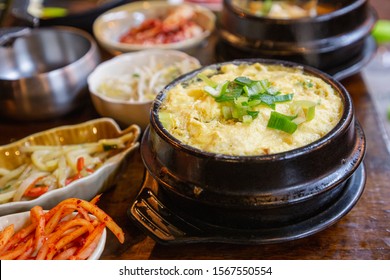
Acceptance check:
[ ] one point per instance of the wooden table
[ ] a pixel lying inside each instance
(364, 233)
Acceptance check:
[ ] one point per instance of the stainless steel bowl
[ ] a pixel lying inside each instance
(43, 72)
(79, 13)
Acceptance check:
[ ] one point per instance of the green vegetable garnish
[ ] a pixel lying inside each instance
(166, 119)
(241, 96)
(381, 31)
(207, 80)
(53, 12)
(282, 122)
(306, 83)
(308, 108)
(109, 147)
(267, 5)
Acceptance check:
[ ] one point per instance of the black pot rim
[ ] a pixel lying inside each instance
(320, 18)
(317, 46)
(345, 120)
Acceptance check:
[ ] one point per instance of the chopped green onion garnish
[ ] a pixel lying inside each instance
(282, 122)
(243, 81)
(230, 94)
(166, 119)
(381, 31)
(212, 91)
(53, 12)
(247, 119)
(207, 80)
(241, 101)
(267, 5)
(253, 114)
(308, 108)
(241, 96)
(254, 88)
(108, 147)
(227, 112)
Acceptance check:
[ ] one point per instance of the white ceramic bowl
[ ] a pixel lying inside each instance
(111, 25)
(128, 112)
(84, 188)
(22, 219)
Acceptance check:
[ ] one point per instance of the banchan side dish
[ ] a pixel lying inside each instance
(257, 190)
(251, 109)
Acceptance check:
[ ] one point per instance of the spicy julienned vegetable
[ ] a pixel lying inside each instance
(177, 26)
(51, 167)
(59, 233)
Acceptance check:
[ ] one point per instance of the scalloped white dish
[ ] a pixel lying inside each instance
(85, 188)
(111, 25)
(22, 219)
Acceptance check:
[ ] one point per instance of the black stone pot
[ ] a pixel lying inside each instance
(254, 191)
(325, 41)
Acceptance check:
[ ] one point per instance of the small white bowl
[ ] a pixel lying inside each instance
(85, 188)
(111, 25)
(22, 219)
(124, 111)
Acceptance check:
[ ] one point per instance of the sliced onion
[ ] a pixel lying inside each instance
(7, 195)
(11, 175)
(26, 183)
(4, 171)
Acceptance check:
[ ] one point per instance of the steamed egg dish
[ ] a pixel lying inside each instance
(250, 109)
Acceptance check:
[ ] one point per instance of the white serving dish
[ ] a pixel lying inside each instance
(84, 188)
(22, 219)
(109, 26)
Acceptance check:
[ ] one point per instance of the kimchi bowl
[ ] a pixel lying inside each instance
(190, 25)
(29, 177)
(258, 188)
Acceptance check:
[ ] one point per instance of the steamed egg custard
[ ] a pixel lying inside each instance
(250, 109)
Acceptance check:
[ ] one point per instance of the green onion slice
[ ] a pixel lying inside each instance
(53, 12)
(207, 80)
(308, 107)
(241, 97)
(267, 5)
(166, 119)
(282, 122)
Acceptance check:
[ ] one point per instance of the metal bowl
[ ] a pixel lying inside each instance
(79, 13)
(43, 72)
(255, 191)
